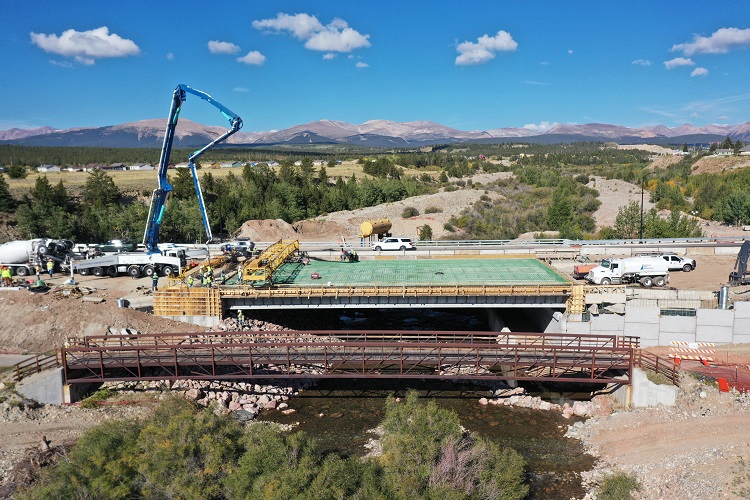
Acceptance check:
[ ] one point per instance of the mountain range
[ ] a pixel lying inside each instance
(373, 133)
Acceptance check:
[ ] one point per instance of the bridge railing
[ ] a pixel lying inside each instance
(36, 364)
(657, 364)
(529, 339)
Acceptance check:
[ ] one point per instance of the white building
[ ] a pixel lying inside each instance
(48, 168)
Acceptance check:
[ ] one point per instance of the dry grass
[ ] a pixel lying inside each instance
(140, 181)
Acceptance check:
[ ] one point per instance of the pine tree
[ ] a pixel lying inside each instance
(7, 203)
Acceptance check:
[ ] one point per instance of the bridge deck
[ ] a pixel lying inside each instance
(498, 271)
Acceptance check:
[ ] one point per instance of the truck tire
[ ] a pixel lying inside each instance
(98, 271)
(660, 281)
(606, 281)
(687, 268)
(84, 272)
(112, 271)
(167, 271)
(148, 271)
(134, 272)
(41, 249)
(22, 271)
(646, 281)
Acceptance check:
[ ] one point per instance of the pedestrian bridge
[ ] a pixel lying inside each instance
(456, 355)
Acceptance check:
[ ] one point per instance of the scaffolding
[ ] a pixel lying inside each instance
(260, 269)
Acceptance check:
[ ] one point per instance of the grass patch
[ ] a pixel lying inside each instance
(99, 396)
(658, 378)
(618, 486)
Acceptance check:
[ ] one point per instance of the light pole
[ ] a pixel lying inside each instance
(643, 177)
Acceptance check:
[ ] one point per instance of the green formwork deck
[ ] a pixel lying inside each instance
(500, 271)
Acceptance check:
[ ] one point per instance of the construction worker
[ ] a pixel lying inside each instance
(154, 282)
(38, 270)
(190, 281)
(7, 276)
(223, 277)
(241, 317)
(50, 267)
(209, 281)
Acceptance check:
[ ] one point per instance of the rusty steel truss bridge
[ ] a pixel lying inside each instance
(354, 354)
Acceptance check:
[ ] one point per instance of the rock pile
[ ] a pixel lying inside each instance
(517, 397)
(249, 397)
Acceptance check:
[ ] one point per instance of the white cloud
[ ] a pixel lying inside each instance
(699, 72)
(540, 127)
(361, 64)
(337, 40)
(252, 58)
(302, 26)
(677, 62)
(170, 56)
(642, 62)
(329, 55)
(532, 82)
(720, 42)
(336, 36)
(62, 64)
(217, 47)
(570, 51)
(86, 46)
(485, 48)
(241, 89)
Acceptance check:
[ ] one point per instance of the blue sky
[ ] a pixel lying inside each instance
(471, 65)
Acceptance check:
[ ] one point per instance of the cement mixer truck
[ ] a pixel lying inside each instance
(22, 256)
(648, 271)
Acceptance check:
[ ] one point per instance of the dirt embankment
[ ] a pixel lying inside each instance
(434, 210)
(34, 322)
(699, 448)
(719, 165)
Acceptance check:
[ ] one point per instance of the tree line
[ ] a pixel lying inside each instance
(292, 193)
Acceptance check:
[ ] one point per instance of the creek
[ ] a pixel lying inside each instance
(338, 413)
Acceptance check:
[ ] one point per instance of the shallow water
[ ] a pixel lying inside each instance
(351, 408)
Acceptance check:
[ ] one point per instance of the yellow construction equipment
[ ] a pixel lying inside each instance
(261, 268)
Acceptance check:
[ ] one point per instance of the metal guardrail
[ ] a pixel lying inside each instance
(36, 364)
(542, 243)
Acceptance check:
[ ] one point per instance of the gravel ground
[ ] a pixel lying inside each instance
(698, 449)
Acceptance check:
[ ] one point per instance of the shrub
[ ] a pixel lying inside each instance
(433, 210)
(425, 233)
(409, 212)
(99, 396)
(618, 486)
(449, 227)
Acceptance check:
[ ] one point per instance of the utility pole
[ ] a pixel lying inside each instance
(641, 233)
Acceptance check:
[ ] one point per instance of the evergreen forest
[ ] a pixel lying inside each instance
(550, 190)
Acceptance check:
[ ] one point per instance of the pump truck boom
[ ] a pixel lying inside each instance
(159, 196)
